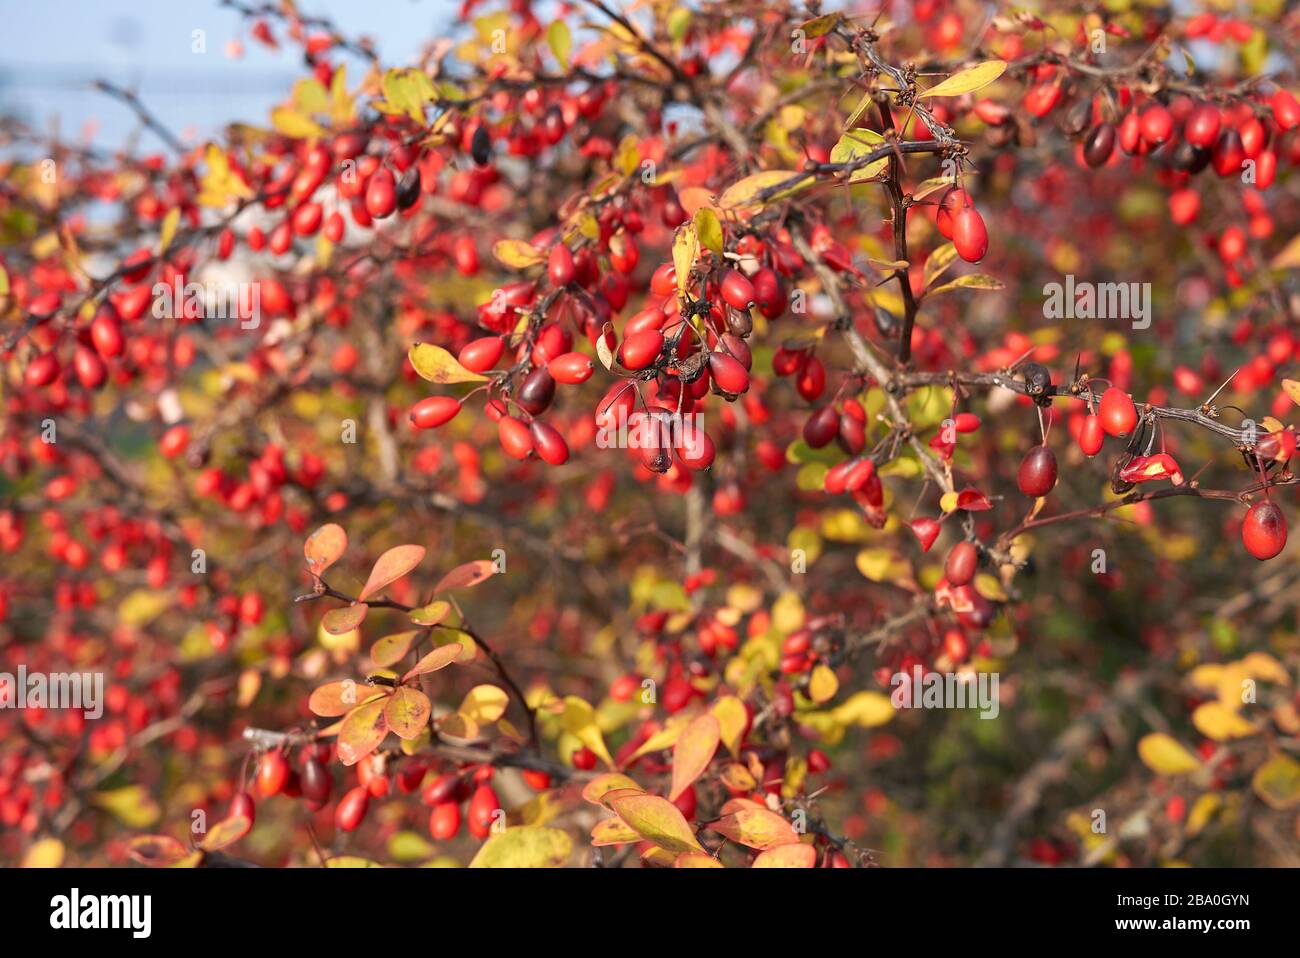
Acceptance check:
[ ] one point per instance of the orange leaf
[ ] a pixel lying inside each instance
(756, 828)
(323, 548)
(392, 565)
(439, 658)
(337, 698)
(407, 712)
(658, 821)
(340, 621)
(463, 576)
(362, 731)
(1292, 389)
(787, 856)
(693, 752)
(696, 860)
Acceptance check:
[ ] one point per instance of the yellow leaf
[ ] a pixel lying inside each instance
(1288, 257)
(744, 193)
(969, 281)
(693, 752)
(44, 853)
(362, 731)
(686, 248)
(168, 231)
(525, 846)
(1164, 755)
(967, 80)
(439, 366)
(613, 831)
(822, 684)
(1216, 721)
(439, 658)
(1203, 810)
(948, 502)
(392, 648)
(856, 144)
(595, 790)
(225, 833)
(1263, 666)
(560, 40)
(517, 254)
(939, 262)
(1277, 782)
(866, 709)
(293, 124)
(658, 821)
(579, 720)
(131, 805)
(709, 230)
(484, 704)
(407, 712)
(732, 719)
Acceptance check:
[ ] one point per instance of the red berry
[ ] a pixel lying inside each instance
(1263, 531)
(1091, 435)
(1201, 128)
(560, 266)
(959, 568)
(821, 427)
(434, 411)
(570, 368)
(381, 193)
(548, 442)
(737, 290)
(969, 235)
(1157, 124)
(515, 438)
(444, 821)
(641, 349)
(728, 373)
(1117, 413)
(352, 809)
(482, 354)
(484, 808)
(1037, 473)
(315, 781)
(242, 806)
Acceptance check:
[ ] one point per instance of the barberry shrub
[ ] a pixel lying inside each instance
(681, 434)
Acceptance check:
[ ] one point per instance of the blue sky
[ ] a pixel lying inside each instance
(55, 48)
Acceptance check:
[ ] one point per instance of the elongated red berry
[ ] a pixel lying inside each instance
(570, 368)
(641, 349)
(959, 568)
(1091, 435)
(559, 266)
(381, 193)
(352, 809)
(515, 438)
(728, 373)
(482, 354)
(548, 442)
(737, 290)
(969, 235)
(434, 411)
